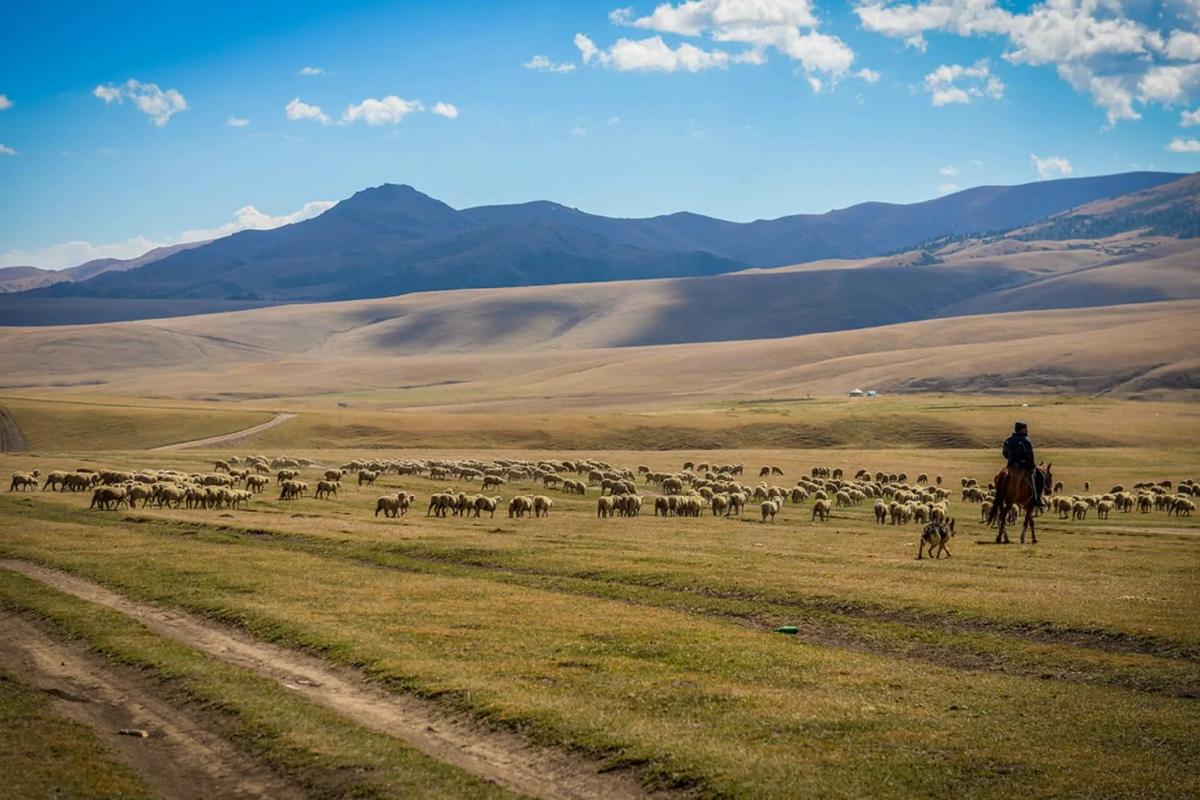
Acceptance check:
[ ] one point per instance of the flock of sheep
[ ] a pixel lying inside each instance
(697, 488)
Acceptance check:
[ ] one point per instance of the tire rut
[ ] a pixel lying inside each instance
(502, 758)
(184, 756)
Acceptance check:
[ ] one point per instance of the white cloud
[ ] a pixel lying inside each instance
(949, 171)
(613, 120)
(152, 101)
(814, 82)
(587, 48)
(1169, 85)
(1189, 119)
(946, 188)
(1103, 48)
(387, 111)
(578, 129)
(694, 131)
(546, 65)
(975, 162)
(1051, 167)
(868, 75)
(71, 254)
(1183, 46)
(297, 110)
(7, 151)
(788, 26)
(651, 55)
(1181, 145)
(446, 110)
(942, 83)
(5, 103)
(311, 71)
(1108, 92)
(236, 122)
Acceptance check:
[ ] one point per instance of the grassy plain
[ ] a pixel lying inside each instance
(1070, 668)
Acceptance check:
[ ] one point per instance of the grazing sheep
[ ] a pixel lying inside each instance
(769, 509)
(521, 505)
(606, 505)
(257, 483)
(1103, 508)
(367, 476)
(542, 506)
(292, 489)
(1182, 507)
(326, 488)
(934, 536)
(922, 479)
(220, 465)
(23, 481)
(1079, 509)
(821, 509)
(109, 498)
(488, 504)
(493, 482)
(881, 512)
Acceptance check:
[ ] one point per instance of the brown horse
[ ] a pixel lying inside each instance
(1013, 491)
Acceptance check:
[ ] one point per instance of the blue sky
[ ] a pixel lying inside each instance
(129, 125)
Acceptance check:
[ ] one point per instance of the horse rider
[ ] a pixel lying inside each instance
(1019, 452)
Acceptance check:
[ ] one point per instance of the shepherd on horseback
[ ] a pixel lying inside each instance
(1018, 450)
(1019, 485)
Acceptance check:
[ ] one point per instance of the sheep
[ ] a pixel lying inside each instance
(737, 502)
(934, 536)
(521, 505)
(922, 479)
(606, 505)
(821, 509)
(389, 505)
(257, 483)
(292, 489)
(629, 505)
(287, 475)
(367, 476)
(769, 509)
(488, 504)
(1103, 508)
(1079, 509)
(542, 506)
(23, 481)
(1182, 507)
(440, 503)
(109, 498)
(326, 488)
(798, 494)
(881, 512)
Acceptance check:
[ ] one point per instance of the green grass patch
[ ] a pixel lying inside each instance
(45, 755)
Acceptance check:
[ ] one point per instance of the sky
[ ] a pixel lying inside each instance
(130, 125)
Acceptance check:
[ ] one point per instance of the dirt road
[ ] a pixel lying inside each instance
(184, 755)
(280, 418)
(505, 759)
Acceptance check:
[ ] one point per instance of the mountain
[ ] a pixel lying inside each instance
(1171, 209)
(393, 240)
(20, 279)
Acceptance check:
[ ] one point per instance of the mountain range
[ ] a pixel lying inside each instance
(394, 240)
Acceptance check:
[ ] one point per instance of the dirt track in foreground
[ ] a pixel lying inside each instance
(185, 756)
(505, 759)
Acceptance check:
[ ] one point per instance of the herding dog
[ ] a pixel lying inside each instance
(934, 536)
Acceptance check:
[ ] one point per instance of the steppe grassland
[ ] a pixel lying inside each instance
(648, 640)
(79, 425)
(57, 422)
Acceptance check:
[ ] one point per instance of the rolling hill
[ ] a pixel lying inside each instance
(760, 333)
(394, 240)
(20, 279)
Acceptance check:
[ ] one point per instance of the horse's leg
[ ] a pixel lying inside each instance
(1032, 531)
(1003, 514)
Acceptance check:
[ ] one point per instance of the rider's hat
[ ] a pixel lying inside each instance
(1019, 427)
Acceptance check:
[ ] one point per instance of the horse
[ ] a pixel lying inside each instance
(1013, 491)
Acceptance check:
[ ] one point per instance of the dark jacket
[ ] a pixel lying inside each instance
(1019, 451)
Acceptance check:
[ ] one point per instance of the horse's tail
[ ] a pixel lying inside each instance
(1001, 489)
